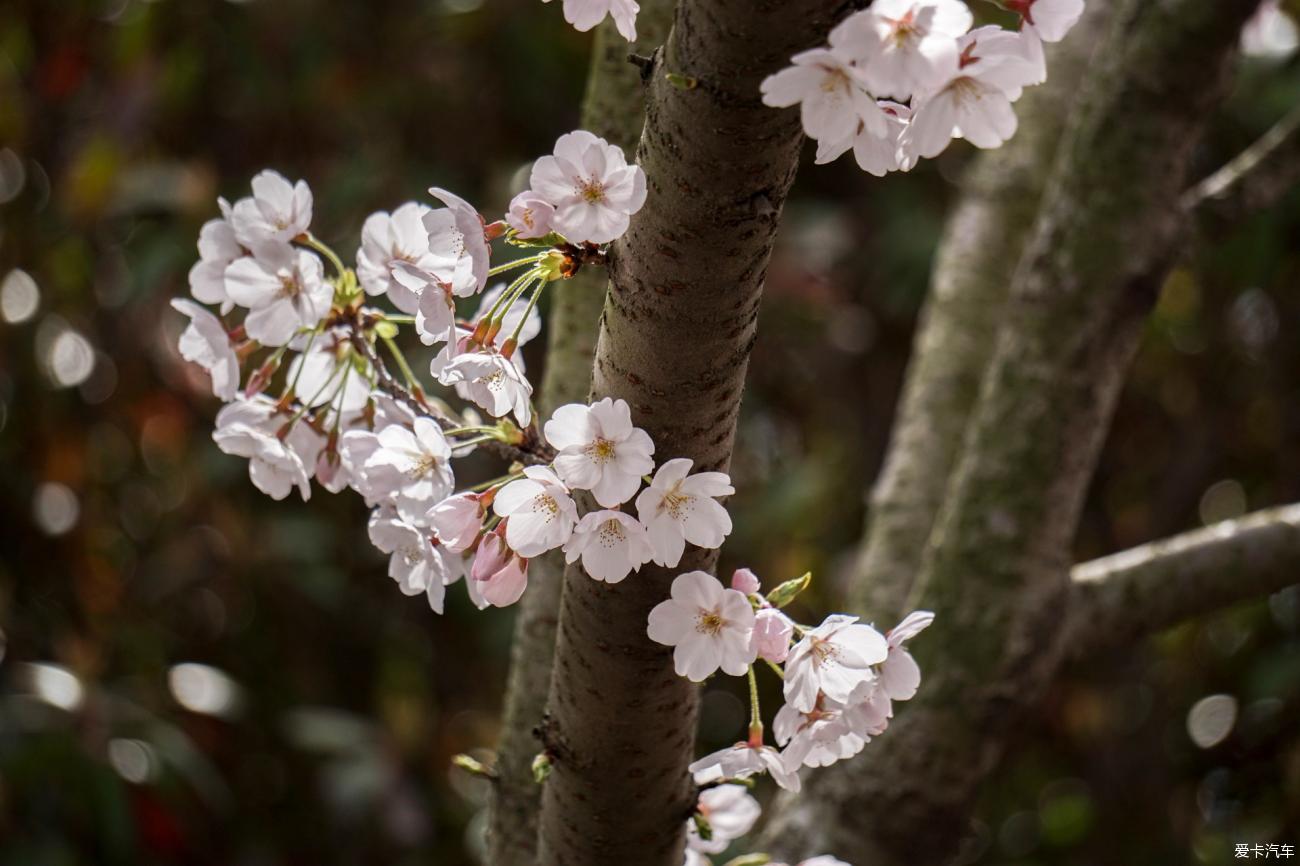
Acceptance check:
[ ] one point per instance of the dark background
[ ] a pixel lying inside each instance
(319, 725)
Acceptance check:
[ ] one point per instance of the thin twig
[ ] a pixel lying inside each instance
(1256, 177)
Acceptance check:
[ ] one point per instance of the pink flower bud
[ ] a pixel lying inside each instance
(771, 637)
(457, 520)
(745, 581)
(491, 557)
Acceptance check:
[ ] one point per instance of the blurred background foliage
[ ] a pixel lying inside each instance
(191, 673)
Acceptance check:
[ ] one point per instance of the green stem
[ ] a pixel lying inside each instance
(319, 246)
(507, 300)
(486, 485)
(296, 376)
(399, 319)
(401, 362)
(517, 263)
(481, 429)
(532, 302)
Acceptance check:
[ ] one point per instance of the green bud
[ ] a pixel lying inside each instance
(681, 82)
(386, 329)
(703, 827)
(552, 267)
(789, 591)
(750, 860)
(541, 767)
(472, 765)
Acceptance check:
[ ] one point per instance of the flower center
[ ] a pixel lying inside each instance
(412, 555)
(544, 503)
(591, 190)
(289, 287)
(601, 451)
(678, 505)
(610, 534)
(834, 80)
(709, 622)
(528, 218)
(823, 652)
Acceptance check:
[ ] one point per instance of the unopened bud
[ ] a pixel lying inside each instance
(789, 591)
(542, 767)
(262, 377)
(473, 765)
(745, 581)
(555, 265)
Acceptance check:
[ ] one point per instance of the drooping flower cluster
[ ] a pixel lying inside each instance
(343, 419)
(899, 80)
(840, 678)
(586, 14)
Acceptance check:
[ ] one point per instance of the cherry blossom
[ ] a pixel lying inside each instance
(709, 626)
(218, 247)
(411, 466)
(283, 288)
(458, 244)
(206, 343)
(900, 676)
(834, 659)
(586, 14)
(395, 240)
(249, 428)
(277, 212)
(817, 738)
(1051, 20)
(678, 507)
(540, 513)
(600, 450)
(1270, 33)
(742, 761)
(772, 633)
(500, 576)
(731, 813)
(976, 103)
(457, 520)
(415, 563)
(744, 580)
(875, 154)
(611, 544)
(530, 215)
(831, 93)
(592, 188)
(491, 381)
(917, 51)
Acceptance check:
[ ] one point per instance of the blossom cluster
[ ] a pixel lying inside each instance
(901, 79)
(840, 680)
(343, 419)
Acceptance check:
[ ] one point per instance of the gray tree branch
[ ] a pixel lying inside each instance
(996, 568)
(1120, 598)
(613, 108)
(678, 326)
(1259, 176)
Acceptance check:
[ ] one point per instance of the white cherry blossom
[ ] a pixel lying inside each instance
(742, 761)
(414, 563)
(876, 154)
(284, 289)
(976, 103)
(491, 380)
(611, 544)
(600, 450)
(411, 466)
(530, 215)
(249, 428)
(586, 14)
(678, 507)
(540, 514)
(708, 625)
(731, 812)
(330, 371)
(277, 212)
(458, 244)
(395, 240)
(834, 659)
(831, 94)
(206, 343)
(900, 676)
(818, 738)
(457, 520)
(1051, 20)
(592, 188)
(917, 38)
(218, 247)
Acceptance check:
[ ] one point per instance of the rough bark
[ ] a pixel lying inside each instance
(613, 108)
(1122, 597)
(678, 326)
(982, 243)
(996, 571)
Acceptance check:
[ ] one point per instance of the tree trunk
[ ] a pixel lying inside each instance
(677, 330)
(982, 243)
(996, 570)
(614, 109)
